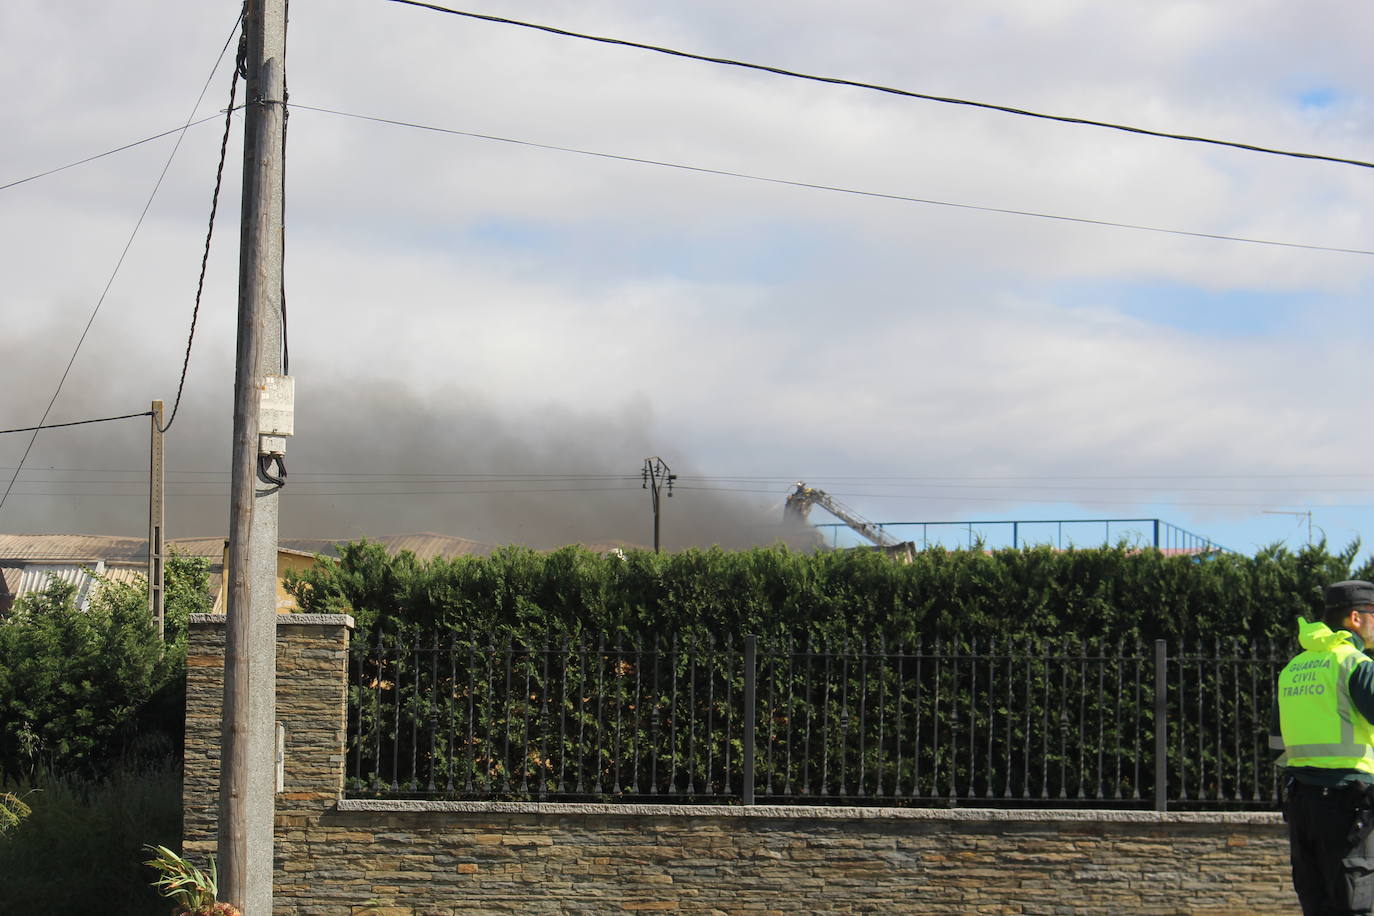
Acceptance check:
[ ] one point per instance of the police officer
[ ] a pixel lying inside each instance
(1325, 710)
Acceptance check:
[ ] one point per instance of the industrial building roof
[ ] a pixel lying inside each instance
(29, 561)
(77, 548)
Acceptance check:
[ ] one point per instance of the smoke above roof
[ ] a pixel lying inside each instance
(374, 458)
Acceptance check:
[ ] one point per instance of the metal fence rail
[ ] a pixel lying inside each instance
(563, 719)
(1057, 533)
(988, 722)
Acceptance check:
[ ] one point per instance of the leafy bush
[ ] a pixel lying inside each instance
(502, 675)
(13, 810)
(1116, 593)
(79, 850)
(194, 891)
(81, 689)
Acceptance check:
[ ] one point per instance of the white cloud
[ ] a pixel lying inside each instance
(768, 328)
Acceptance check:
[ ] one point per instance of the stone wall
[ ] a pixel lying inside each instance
(312, 674)
(337, 856)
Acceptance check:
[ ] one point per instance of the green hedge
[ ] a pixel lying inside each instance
(1116, 593)
(503, 676)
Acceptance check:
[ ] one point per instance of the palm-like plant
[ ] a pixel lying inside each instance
(193, 891)
(12, 811)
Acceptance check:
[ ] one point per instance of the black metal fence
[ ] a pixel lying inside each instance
(990, 723)
(1057, 533)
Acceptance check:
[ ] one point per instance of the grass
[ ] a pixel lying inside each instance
(80, 851)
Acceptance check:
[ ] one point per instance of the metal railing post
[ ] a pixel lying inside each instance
(1161, 726)
(750, 690)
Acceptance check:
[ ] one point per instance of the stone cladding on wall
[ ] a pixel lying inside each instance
(396, 858)
(312, 675)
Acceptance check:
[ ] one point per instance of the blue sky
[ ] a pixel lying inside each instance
(1320, 98)
(466, 307)
(1222, 313)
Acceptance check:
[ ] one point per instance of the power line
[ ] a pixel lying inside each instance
(300, 494)
(836, 189)
(758, 478)
(357, 477)
(30, 429)
(1035, 502)
(1067, 488)
(367, 482)
(118, 264)
(471, 486)
(837, 81)
(120, 149)
(1127, 491)
(629, 489)
(1071, 477)
(407, 486)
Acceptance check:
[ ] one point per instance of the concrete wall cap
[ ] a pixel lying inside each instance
(816, 812)
(283, 620)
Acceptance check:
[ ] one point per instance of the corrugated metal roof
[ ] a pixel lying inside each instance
(36, 577)
(208, 548)
(79, 547)
(129, 575)
(90, 548)
(73, 547)
(428, 545)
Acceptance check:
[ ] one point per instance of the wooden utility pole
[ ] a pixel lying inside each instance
(247, 764)
(157, 488)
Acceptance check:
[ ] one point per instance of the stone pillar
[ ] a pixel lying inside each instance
(312, 686)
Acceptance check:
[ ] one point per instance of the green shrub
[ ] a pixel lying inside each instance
(80, 849)
(1114, 592)
(13, 810)
(81, 689)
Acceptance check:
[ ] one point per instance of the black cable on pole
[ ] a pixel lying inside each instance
(838, 81)
(114, 273)
(285, 121)
(841, 190)
(29, 429)
(209, 234)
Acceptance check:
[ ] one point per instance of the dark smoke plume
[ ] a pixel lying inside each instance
(369, 458)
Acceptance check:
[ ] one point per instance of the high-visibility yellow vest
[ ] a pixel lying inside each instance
(1321, 728)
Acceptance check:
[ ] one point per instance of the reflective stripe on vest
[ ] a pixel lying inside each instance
(1351, 750)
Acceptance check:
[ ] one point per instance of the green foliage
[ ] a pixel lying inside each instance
(13, 810)
(79, 689)
(502, 675)
(80, 849)
(181, 881)
(1043, 720)
(1114, 592)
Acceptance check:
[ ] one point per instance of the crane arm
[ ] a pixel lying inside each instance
(800, 501)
